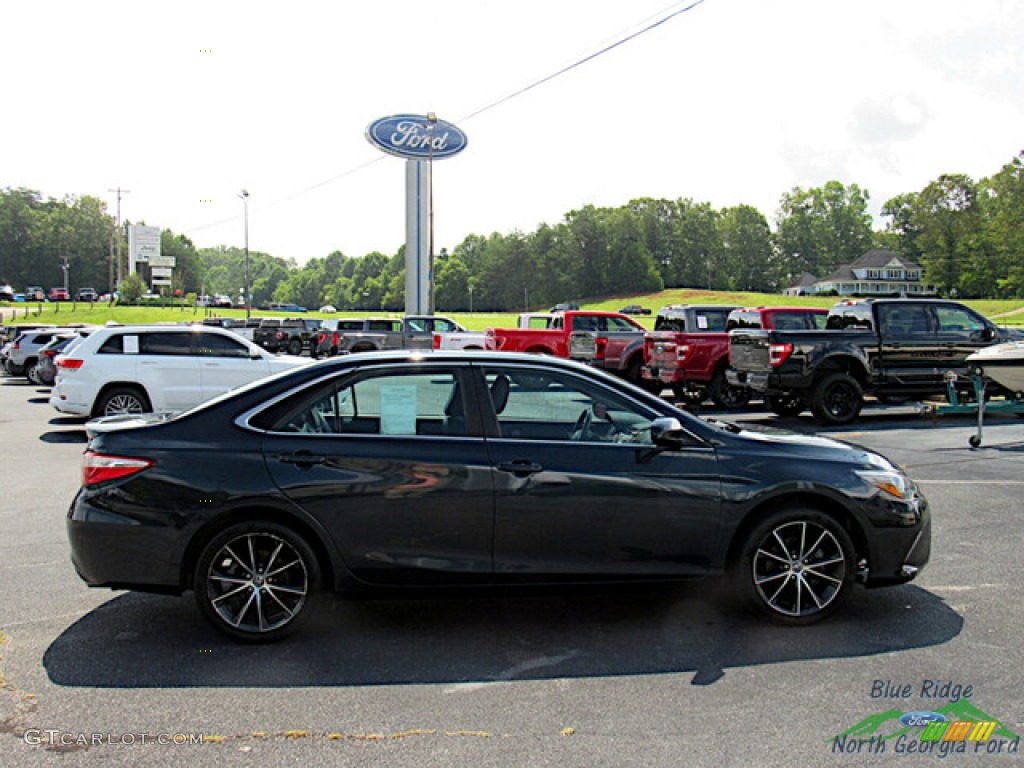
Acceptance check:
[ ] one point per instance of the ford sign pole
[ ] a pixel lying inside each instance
(420, 139)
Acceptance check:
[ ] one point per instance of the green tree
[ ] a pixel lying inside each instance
(948, 218)
(823, 227)
(748, 258)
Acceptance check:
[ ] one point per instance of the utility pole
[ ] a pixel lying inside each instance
(114, 285)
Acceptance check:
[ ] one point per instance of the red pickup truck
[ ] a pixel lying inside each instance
(689, 348)
(619, 339)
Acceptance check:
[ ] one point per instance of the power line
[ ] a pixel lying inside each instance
(584, 60)
(620, 41)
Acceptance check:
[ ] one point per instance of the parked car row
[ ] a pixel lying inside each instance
(36, 293)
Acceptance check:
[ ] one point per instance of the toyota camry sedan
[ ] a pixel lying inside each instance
(386, 471)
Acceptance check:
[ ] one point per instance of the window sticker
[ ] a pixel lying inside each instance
(398, 409)
(131, 345)
(702, 322)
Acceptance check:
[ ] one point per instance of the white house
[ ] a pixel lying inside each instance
(876, 273)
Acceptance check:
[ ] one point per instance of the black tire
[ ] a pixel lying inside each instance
(30, 370)
(837, 399)
(295, 347)
(797, 566)
(690, 394)
(785, 405)
(122, 400)
(724, 395)
(633, 372)
(234, 592)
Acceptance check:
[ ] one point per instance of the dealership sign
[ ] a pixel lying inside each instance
(416, 137)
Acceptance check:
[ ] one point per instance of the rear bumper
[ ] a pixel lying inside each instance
(664, 375)
(767, 383)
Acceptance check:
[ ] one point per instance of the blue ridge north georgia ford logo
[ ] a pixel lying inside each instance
(416, 137)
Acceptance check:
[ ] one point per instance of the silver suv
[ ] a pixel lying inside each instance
(23, 355)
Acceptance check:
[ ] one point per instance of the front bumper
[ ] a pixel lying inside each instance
(897, 554)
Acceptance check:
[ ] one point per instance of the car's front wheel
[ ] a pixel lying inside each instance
(254, 581)
(796, 566)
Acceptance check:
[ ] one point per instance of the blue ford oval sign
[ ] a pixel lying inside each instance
(921, 719)
(416, 137)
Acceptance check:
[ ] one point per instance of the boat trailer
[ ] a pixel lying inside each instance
(976, 402)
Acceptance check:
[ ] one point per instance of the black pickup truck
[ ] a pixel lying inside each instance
(293, 335)
(894, 349)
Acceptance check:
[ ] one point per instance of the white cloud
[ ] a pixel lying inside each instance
(734, 102)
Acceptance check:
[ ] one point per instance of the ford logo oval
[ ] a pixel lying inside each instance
(416, 137)
(921, 719)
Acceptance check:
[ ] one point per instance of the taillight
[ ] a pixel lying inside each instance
(600, 347)
(778, 353)
(48, 352)
(437, 341)
(99, 468)
(69, 363)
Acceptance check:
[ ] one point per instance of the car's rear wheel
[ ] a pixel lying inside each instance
(254, 581)
(122, 400)
(796, 566)
(295, 347)
(837, 399)
(30, 371)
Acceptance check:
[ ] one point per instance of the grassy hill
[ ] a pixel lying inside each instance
(1003, 311)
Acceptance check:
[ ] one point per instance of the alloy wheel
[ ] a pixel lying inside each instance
(257, 582)
(799, 568)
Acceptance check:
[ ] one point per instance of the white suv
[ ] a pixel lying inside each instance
(161, 368)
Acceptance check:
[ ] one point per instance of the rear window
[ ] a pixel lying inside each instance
(743, 320)
(112, 346)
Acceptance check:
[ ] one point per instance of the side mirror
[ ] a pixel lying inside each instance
(667, 432)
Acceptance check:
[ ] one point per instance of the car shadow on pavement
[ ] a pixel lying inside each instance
(140, 641)
(65, 436)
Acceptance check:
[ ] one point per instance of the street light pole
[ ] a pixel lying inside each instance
(245, 204)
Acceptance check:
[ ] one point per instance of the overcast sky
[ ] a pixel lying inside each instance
(734, 102)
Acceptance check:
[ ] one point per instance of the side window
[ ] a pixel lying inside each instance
(443, 326)
(619, 324)
(168, 344)
(957, 319)
(414, 403)
(417, 325)
(532, 404)
(215, 345)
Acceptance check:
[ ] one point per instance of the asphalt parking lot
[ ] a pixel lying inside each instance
(677, 676)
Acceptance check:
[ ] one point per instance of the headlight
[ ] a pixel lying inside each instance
(890, 482)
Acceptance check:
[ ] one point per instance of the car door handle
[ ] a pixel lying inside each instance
(302, 459)
(520, 467)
